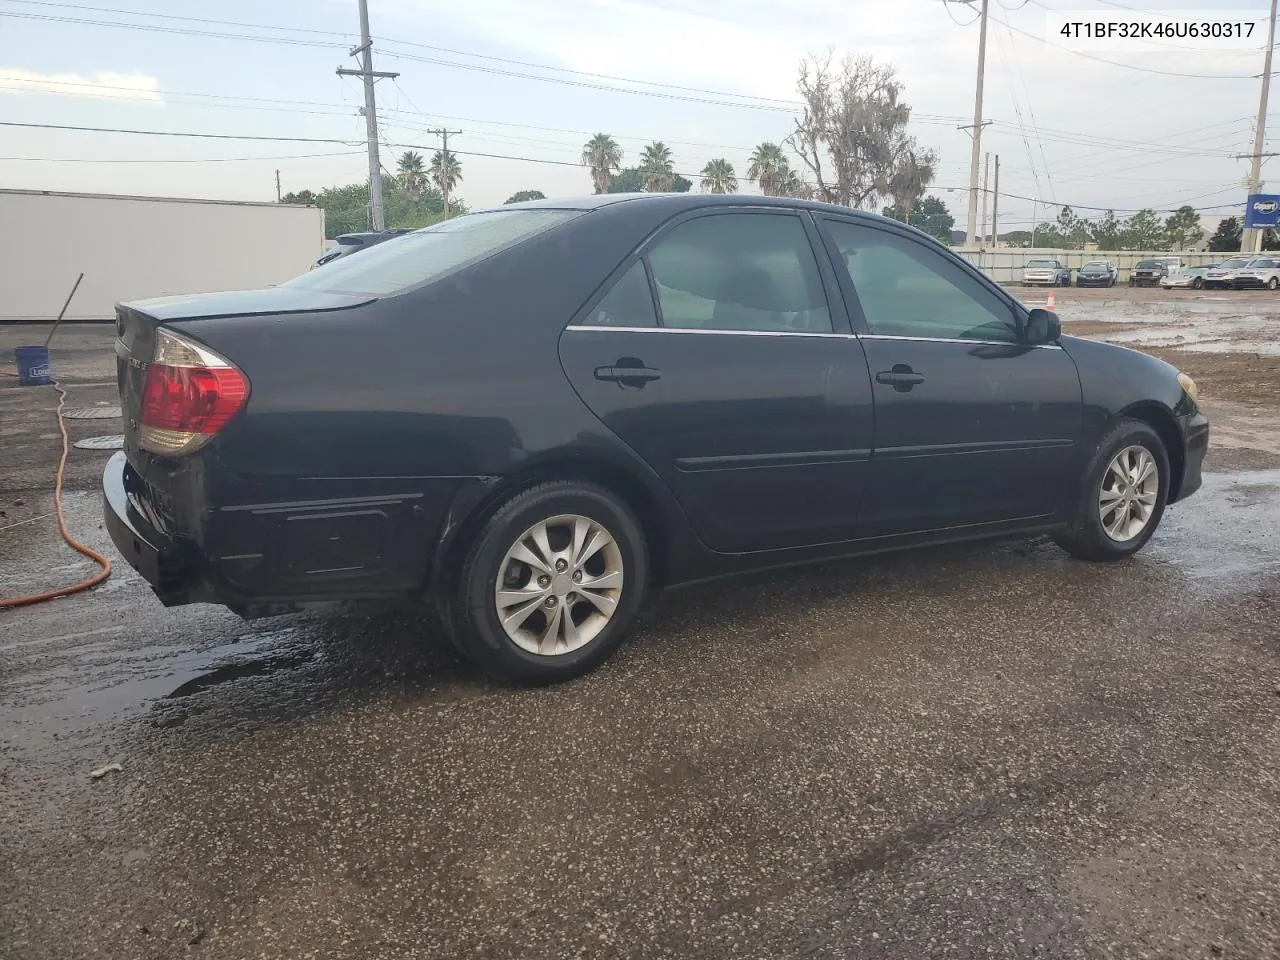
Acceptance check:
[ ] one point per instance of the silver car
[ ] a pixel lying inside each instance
(1190, 278)
(1257, 273)
(1224, 274)
(1046, 273)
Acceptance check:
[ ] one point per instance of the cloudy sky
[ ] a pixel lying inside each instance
(528, 82)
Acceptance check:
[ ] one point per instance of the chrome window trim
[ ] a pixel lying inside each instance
(594, 328)
(590, 328)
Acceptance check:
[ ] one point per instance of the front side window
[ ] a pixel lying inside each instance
(429, 254)
(740, 271)
(907, 289)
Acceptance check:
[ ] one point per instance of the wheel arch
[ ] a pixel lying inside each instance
(1160, 419)
(598, 469)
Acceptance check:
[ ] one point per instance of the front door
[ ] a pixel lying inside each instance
(719, 357)
(972, 426)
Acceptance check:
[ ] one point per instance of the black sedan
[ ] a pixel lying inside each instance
(531, 416)
(1096, 273)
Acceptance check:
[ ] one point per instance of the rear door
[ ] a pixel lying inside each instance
(722, 355)
(972, 426)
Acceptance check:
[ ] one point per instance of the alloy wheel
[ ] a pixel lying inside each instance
(1130, 488)
(559, 585)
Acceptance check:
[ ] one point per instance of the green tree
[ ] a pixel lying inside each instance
(1226, 239)
(446, 171)
(628, 180)
(681, 184)
(1183, 228)
(656, 167)
(1107, 231)
(910, 177)
(1047, 235)
(718, 177)
(1073, 230)
(411, 173)
(603, 157)
(769, 168)
(1143, 231)
(1018, 238)
(524, 195)
(930, 215)
(302, 196)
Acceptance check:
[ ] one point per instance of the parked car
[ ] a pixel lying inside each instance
(1224, 275)
(1047, 273)
(1096, 273)
(349, 243)
(533, 415)
(1190, 277)
(1258, 273)
(1149, 273)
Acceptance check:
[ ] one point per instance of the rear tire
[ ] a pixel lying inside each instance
(1120, 506)
(1273, 284)
(565, 613)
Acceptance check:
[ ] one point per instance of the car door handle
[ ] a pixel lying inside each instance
(902, 378)
(628, 372)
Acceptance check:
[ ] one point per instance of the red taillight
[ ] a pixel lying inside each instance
(189, 395)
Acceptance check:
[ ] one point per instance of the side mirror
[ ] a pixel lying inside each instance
(1043, 326)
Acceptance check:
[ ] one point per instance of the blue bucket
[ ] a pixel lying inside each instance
(33, 366)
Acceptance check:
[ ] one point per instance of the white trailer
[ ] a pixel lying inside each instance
(134, 247)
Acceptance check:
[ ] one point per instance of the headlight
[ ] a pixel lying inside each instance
(1189, 386)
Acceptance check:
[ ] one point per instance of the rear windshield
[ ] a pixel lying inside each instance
(1033, 264)
(429, 254)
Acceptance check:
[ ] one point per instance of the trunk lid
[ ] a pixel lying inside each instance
(136, 323)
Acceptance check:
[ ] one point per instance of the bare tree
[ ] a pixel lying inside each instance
(853, 136)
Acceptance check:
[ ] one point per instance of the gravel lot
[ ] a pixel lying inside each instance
(973, 751)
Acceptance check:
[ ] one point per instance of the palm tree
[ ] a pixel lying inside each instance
(656, 168)
(604, 157)
(446, 173)
(789, 184)
(718, 177)
(769, 168)
(410, 173)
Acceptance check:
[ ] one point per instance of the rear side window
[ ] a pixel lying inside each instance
(424, 255)
(740, 271)
(628, 304)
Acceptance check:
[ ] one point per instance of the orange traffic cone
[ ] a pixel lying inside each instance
(1049, 304)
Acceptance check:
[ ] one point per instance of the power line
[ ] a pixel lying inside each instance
(293, 156)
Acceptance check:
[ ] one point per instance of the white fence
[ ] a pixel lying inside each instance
(1004, 265)
(130, 248)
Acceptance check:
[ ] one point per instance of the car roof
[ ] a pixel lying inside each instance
(676, 202)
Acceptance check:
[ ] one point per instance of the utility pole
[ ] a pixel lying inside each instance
(976, 155)
(444, 135)
(986, 191)
(995, 208)
(1251, 239)
(376, 219)
(277, 186)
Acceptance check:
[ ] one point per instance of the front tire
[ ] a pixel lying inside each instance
(1197, 283)
(551, 584)
(1123, 497)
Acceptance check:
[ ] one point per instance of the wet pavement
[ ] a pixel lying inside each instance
(987, 750)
